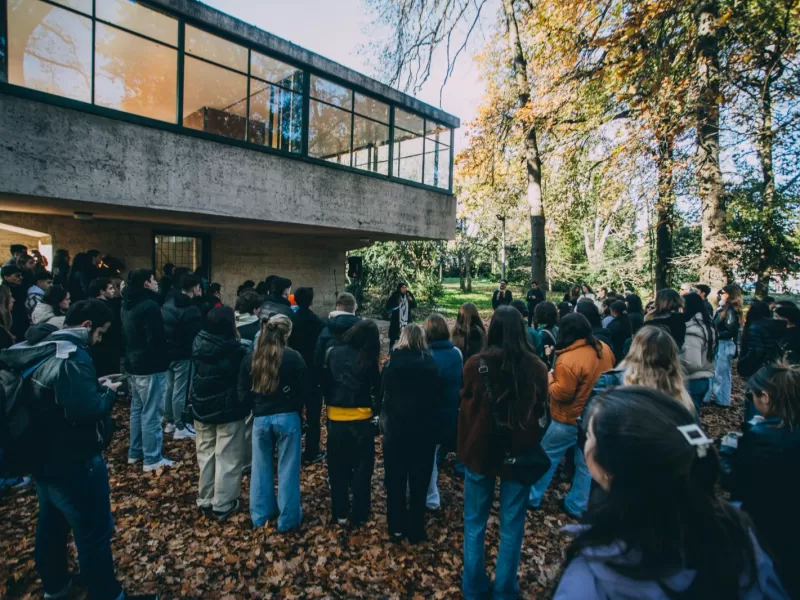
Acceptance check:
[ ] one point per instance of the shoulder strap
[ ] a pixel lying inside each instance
(327, 356)
(483, 369)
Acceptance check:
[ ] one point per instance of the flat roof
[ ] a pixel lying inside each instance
(202, 14)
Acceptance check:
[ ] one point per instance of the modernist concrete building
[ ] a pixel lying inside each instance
(166, 131)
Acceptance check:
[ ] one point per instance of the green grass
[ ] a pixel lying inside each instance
(481, 296)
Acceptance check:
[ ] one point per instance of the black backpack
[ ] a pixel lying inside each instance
(20, 417)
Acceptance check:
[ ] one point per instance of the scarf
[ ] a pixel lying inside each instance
(403, 306)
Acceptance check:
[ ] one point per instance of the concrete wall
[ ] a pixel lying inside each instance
(52, 152)
(235, 255)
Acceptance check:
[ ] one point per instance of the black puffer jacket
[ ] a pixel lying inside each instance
(413, 394)
(294, 386)
(76, 423)
(672, 323)
(346, 385)
(761, 346)
(306, 327)
(215, 397)
(275, 305)
(143, 328)
(728, 326)
(183, 320)
(338, 324)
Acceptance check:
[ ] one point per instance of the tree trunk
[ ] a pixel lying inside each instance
(533, 159)
(765, 151)
(467, 273)
(709, 174)
(664, 210)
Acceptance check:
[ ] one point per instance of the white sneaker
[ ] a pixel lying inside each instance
(164, 462)
(342, 522)
(63, 593)
(133, 461)
(185, 433)
(170, 428)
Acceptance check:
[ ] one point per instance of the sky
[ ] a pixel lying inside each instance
(336, 29)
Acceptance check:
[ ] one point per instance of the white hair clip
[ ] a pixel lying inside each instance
(696, 437)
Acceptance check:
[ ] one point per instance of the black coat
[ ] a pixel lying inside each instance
(143, 328)
(533, 298)
(637, 320)
(761, 346)
(183, 320)
(214, 393)
(604, 335)
(474, 343)
(337, 326)
(346, 383)
(729, 326)
(19, 314)
(672, 323)
(394, 313)
(619, 336)
(506, 299)
(107, 353)
(790, 344)
(760, 473)
(413, 394)
(275, 305)
(306, 327)
(292, 374)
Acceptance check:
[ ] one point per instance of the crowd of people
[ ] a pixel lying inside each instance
(615, 386)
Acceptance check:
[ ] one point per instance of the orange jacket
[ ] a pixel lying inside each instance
(576, 371)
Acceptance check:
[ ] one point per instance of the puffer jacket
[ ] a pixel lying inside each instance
(143, 329)
(761, 346)
(346, 384)
(694, 354)
(338, 324)
(275, 305)
(44, 313)
(576, 371)
(183, 320)
(77, 424)
(217, 361)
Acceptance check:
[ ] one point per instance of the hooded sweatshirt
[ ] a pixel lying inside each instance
(44, 313)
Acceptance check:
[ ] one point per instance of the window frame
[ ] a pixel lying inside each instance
(178, 127)
(191, 233)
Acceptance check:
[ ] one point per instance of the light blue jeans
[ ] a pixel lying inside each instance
(284, 431)
(432, 502)
(559, 438)
(721, 387)
(178, 377)
(147, 398)
(478, 499)
(698, 390)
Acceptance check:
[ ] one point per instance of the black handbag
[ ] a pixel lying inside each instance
(527, 466)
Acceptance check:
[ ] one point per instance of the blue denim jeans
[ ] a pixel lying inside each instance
(284, 431)
(559, 438)
(698, 388)
(433, 501)
(75, 496)
(147, 397)
(179, 375)
(478, 499)
(722, 372)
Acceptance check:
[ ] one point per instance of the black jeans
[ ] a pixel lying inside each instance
(75, 496)
(351, 460)
(408, 463)
(313, 412)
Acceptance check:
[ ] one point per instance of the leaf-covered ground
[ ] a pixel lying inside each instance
(163, 544)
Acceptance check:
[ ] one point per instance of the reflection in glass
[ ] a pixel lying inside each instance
(213, 48)
(370, 146)
(330, 92)
(214, 99)
(329, 133)
(405, 120)
(275, 71)
(437, 164)
(139, 19)
(84, 6)
(407, 162)
(49, 49)
(276, 116)
(369, 107)
(134, 74)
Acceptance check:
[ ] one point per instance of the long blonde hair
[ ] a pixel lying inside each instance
(268, 353)
(653, 361)
(412, 338)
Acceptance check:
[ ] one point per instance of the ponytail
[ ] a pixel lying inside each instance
(268, 353)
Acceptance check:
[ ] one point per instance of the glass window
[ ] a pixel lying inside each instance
(137, 18)
(330, 92)
(214, 99)
(437, 133)
(215, 49)
(437, 164)
(276, 116)
(275, 71)
(405, 120)
(49, 49)
(407, 155)
(84, 6)
(329, 133)
(371, 145)
(134, 74)
(369, 107)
